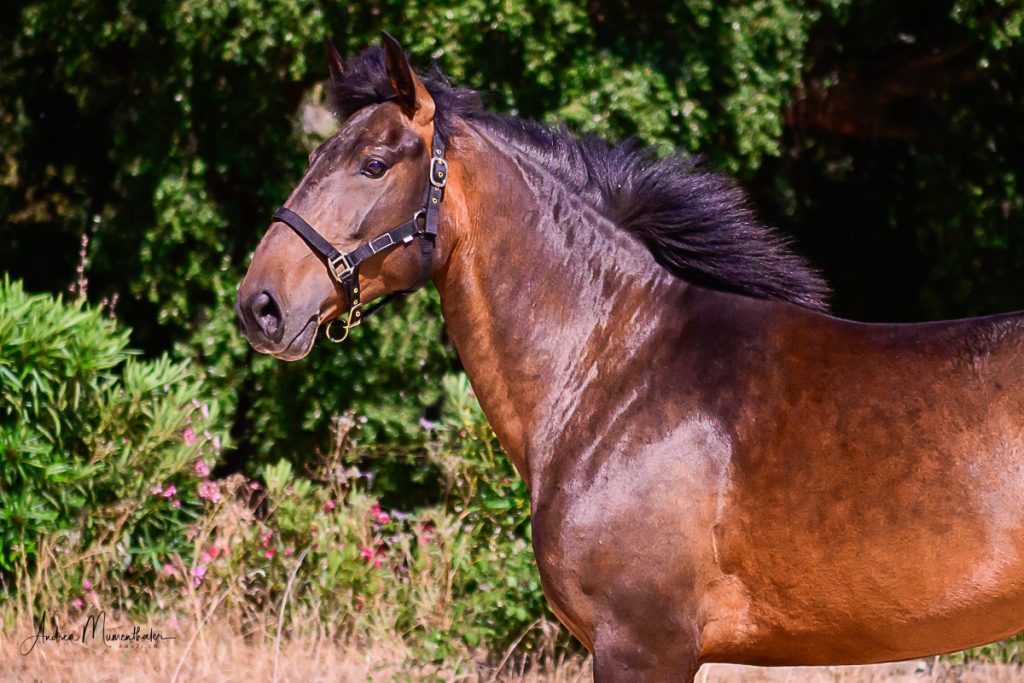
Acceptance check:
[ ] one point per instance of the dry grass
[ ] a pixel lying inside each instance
(220, 652)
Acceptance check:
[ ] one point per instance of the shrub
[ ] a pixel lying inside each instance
(498, 592)
(171, 130)
(453, 578)
(100, 451)
(106, 497)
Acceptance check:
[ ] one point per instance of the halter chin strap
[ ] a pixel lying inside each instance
(344, 267)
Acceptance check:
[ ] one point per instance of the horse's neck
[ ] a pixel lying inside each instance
(539, 293)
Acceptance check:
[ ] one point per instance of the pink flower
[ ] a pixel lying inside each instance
(255, 486)
(288, 552)
(216, 443)
(208, 490)
(427, 424)
(378, 516)
(188, 436)
(201, 469)
(329, 505)
(266, 538)
(370, 556)
(87, 584)
(175, 503)
(198, 572)
(169, 569)
(77, 602)
(157, 490)
(170, 491)
(269, 554)
(206, 411)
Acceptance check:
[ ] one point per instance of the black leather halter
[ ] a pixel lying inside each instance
(344, 267)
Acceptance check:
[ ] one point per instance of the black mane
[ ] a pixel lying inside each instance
(696, 223)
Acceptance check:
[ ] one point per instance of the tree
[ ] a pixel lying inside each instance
(884, 135)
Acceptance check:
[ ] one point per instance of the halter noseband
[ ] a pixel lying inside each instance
(344, 267)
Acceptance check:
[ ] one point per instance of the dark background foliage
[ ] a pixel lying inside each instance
(885, 137)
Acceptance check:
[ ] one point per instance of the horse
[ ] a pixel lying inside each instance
(719, 470)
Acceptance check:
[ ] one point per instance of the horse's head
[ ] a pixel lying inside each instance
(371, 176)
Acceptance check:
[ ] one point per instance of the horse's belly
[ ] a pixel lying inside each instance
(900, 582)
(891, 635)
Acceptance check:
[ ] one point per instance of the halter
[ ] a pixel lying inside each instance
(344, 267)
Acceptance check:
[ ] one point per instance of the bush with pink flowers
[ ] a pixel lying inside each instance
(453, 578)
(108, 499)
(98, 450)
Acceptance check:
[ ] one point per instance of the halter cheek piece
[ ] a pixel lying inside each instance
(344, 268)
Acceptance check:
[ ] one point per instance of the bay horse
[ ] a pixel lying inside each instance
(719, 470)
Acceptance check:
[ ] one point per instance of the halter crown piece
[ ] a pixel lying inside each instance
(344, 267)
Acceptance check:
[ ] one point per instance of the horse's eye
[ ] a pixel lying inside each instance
(374, 168)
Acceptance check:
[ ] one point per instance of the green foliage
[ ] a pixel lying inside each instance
(171, 133)
(86, 433)
(455, 579)
(902, 174)
(499, 586)
(452, 577)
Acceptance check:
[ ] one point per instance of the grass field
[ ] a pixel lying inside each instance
(221, 652)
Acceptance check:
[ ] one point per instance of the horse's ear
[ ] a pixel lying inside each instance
(412, 95)
(334, 62)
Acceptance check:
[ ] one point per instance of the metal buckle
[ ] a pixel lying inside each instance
(376, 248)
(355, 312)
(438, 172)
(335, 263)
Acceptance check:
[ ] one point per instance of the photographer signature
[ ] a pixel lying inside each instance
(94, 629)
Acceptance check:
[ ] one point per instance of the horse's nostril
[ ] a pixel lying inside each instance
(267, 314)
